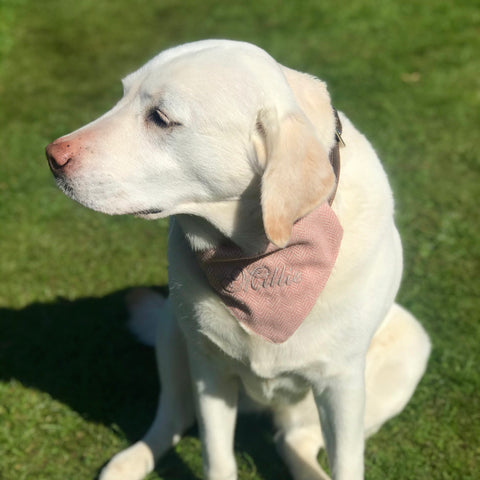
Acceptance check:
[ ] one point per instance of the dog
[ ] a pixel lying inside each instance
(284, 259)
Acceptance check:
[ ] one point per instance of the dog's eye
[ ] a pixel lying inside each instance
(160, 119)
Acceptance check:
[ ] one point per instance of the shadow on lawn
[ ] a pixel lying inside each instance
(81, 353)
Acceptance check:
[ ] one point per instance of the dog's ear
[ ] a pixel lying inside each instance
(297, 176)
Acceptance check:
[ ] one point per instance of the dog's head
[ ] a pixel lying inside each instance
(198, 125)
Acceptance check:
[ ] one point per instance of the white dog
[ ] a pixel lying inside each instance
(282, 288)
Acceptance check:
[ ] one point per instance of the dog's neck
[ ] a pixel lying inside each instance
(239, 221)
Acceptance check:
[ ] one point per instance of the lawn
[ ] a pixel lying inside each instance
(74, 385)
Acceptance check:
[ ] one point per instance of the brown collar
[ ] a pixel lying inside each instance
(334, 154)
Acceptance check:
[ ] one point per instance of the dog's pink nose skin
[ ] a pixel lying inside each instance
(60, 154)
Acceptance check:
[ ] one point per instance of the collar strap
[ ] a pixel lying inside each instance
(334, 155)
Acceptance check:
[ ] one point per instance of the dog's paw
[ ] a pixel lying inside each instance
(134, 463)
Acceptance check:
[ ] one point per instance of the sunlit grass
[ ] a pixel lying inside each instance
(74, 386)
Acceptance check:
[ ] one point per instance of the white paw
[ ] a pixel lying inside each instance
(134, 463)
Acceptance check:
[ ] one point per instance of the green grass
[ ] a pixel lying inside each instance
(74, 386)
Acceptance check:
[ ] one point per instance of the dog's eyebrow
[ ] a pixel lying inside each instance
(159, 98)
(154, 98)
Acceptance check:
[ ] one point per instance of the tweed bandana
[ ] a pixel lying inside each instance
(272, 293)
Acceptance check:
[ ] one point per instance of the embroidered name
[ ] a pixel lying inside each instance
(260, 277)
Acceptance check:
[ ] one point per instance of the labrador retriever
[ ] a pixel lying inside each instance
(284, 259)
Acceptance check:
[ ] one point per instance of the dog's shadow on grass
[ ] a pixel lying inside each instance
(81, 353)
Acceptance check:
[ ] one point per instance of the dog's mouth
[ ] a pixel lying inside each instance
(150, 213)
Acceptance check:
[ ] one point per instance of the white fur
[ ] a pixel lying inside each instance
(356, 359)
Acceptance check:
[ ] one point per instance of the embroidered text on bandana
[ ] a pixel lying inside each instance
(272, 293)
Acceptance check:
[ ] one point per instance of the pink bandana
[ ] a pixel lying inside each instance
(273, 293)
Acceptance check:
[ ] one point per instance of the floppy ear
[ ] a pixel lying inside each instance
(298, 176)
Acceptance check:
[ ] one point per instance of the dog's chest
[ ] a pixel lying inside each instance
(267, 376)
(283, 389)
(206, 320)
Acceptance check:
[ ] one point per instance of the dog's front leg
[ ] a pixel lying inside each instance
(216, 403)
(341, 408)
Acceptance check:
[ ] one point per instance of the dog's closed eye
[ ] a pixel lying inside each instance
(160, 119)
